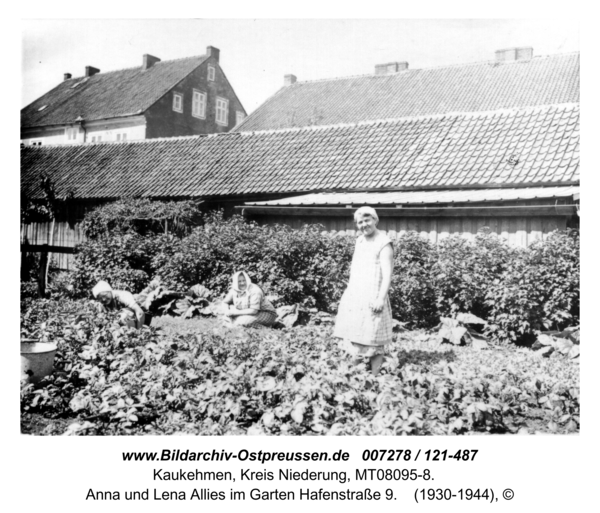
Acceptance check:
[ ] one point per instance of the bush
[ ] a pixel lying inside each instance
(412, 295)
(296, 266)
(518, 291)
(465, 270)
(538, 291)
(142, 216)
(125, 260)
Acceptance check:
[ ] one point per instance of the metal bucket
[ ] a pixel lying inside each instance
(37, 360)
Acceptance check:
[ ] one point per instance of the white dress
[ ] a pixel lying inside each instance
(355, 321)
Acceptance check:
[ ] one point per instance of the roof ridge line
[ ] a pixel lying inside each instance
(410, 118)
(475, 114)
(476, 63)
(137, 67)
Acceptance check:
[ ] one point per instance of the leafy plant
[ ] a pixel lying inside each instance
(143, 216)
(110, 379)
(412, 295)
(294, 266)
(465, 270)
(539, 291)
(125, 260)
(462, 331)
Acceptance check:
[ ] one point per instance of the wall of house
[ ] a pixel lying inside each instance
(129, 129)
(163, 121)
(46, 136)
(518, 231)
(132, 128)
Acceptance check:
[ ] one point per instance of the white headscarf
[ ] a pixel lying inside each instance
(234, 281)
(366, 211)
(100, 287)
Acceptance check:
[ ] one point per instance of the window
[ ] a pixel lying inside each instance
(199, 104)
(96, 138)
(211, 73)
(72, 134)
(222, 111)
(118, 137)
(36, 143)
(239, 117)
(121, 137)
(177, 102)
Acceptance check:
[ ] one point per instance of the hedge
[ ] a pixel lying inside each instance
(517, 290)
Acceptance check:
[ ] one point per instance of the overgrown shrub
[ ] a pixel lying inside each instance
(142, 216)
(296, 266)
(412, 295)
(465, 270)
(540, 290)
(517, 290)
(125, 260)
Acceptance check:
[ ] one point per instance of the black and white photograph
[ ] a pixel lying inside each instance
(293, 228)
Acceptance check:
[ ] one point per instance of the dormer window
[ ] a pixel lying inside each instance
(42, 108)
(211, 73)
(177, 102)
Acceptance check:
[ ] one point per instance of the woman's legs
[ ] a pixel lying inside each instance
(244, 320)
(260, 319)
(376, 361)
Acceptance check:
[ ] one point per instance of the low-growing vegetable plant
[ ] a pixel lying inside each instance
(110, 379)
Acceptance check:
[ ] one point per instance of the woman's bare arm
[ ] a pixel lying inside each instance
(386, 259)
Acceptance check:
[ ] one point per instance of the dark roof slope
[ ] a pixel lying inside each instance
(528, 146)
(461, 88)
(108, 95)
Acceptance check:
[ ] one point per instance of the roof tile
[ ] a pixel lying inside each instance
(452, 150)
(475, 87)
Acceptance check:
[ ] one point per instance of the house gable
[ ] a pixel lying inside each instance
(163, 121)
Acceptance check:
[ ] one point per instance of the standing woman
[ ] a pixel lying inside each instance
(247, 305)
(364, 319)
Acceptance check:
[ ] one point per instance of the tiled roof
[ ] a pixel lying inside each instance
(526, 146)
(422, 197)
(107, 95)
(462, 88)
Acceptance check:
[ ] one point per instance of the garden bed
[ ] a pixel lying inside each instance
(194, 377)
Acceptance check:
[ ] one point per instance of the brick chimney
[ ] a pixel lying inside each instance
(289, 80)
(211, 51)
(90, 71)
(149, 61)
(390, 67)
(523, 53)
(67, 76)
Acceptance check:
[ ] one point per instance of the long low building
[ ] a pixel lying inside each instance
(515, 170)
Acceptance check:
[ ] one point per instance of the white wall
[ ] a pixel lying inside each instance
(96, 131)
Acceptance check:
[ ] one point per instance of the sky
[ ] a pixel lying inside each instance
(256, 54)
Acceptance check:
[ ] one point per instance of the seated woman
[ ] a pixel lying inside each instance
(131, 313)
(246, 304)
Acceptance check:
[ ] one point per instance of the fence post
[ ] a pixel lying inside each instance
(42, 273)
